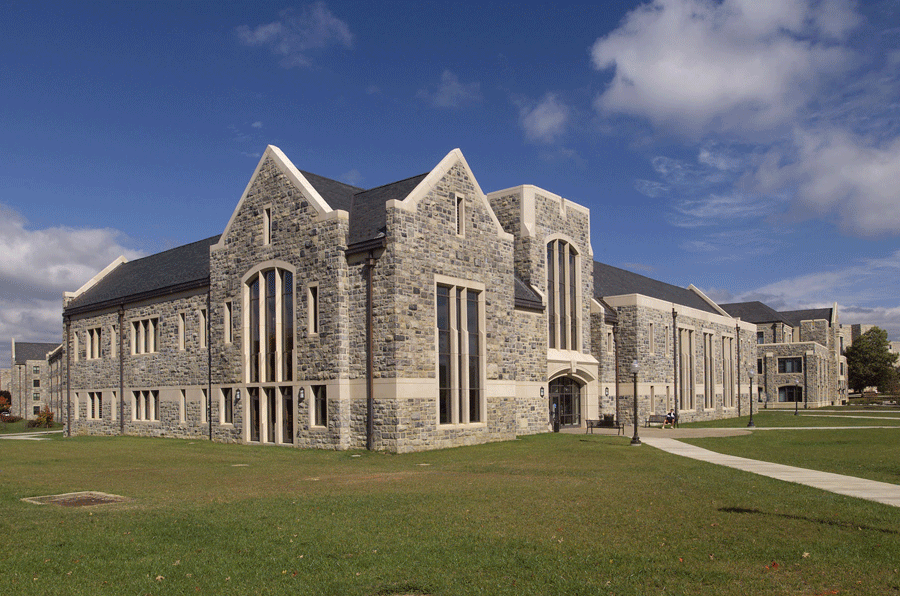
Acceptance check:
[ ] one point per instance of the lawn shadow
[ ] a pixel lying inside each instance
(826, 522)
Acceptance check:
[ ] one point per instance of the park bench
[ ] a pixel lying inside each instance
(607, 421)
(656, 419)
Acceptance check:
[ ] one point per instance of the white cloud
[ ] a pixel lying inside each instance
(353, 177)
(863, 292)
(451, 93)
(545, 122)
(694, 66)
(835, 172)
(651, 188)
(297, 32)
(38, 265)
(257, 124)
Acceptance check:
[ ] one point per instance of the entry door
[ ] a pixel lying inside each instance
(565, 395)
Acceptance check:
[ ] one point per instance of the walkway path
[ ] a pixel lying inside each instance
(882, 492)
(38, 435)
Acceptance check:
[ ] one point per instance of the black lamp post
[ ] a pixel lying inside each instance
(635, 440)
(751, 373)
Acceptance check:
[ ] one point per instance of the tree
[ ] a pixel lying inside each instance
(870, 362)
(5, 400)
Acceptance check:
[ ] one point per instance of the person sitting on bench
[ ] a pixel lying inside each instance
(670, 419)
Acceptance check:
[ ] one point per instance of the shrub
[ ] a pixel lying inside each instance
(7, 417)
(5, 401)
(44, 419)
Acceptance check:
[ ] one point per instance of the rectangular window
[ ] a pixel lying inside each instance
(145, 405)
(182, 330)
(204, 407)
(203, 328)
(760, 337)
(651, 338)
(270, 319)
(287, 415)
(227, 323)
(312, 297)
(610, 347)
(36, 396)
(144, 336)
(460, 354)
(790, 365)
(182, 405)
(759, 366)
(254, 331)
(36, 410)
(95, 405)
(267, 225)
(113, 342)
(227, 407)
(708, 379)
(35, 370)
(92, 351)
(36, 383)
(320, 405)
(460, 215)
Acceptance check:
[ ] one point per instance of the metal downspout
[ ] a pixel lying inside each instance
(616, 356)
(68, 377)
(122, 369)
(737, 332)
(370, 365)
(675, 354)
(209, 360)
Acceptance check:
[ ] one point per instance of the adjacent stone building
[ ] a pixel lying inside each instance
(800, 361)
(30, 378)
(416, 315)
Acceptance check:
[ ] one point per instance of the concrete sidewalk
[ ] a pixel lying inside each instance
(881, 492)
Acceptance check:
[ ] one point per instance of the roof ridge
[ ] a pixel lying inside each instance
(362, 191)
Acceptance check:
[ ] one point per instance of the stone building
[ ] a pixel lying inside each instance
(30, 378)
(691, 355)
(800, 360)
(416, 315)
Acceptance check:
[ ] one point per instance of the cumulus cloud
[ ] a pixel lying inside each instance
(841, 174)
(297, 32)
(546, 121)
(38, 265)
(451, 93)
(696, 66)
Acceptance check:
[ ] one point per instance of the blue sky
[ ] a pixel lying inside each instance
(749, 148)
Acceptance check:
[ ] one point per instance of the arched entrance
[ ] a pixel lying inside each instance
(565, 395)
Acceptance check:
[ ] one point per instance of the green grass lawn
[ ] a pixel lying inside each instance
(818, 417)
(865, 453)
(9, 428)
(548, 514)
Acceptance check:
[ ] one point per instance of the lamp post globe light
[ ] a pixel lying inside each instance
(635, 440)
(751, 374)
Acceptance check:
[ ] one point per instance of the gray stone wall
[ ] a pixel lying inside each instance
(815, 378)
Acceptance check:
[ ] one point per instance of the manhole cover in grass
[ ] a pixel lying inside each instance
(80, 499)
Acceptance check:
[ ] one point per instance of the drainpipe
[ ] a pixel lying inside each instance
(616, 356)
(737, 333)
(68, 377)
(675, 353)
(370, 365)
(122, 369)
(209, 360)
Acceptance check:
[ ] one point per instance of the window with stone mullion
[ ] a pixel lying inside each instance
(458, 313)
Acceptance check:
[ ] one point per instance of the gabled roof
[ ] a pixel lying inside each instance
(795, 316)
(337, 194)
(32, 351)
(612, 281)
(182, 268)
(754, 312)
(368, 212)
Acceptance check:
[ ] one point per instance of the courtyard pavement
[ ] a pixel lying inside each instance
(667, 440)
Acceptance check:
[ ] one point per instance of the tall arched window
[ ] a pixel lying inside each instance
(270, 321)
(563, 297)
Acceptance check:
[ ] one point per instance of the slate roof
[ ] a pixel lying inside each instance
(526, 297)
(182, 268)
(32, 351)
(754, 312)
(337, 194)
(795, 316)
(612, 281)
(368, 215)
